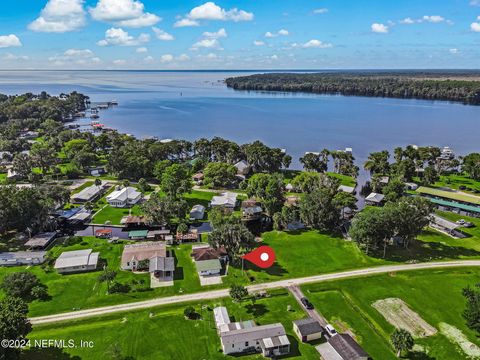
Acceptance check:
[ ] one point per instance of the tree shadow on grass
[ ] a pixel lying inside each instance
(425, 251)
(51, 353)
(178, 274)
(417, 355)
(256, 310)
(274, 270)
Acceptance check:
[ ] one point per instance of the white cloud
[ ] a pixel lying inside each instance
(13, 57)
(119, 62)
(407, 21)
(207, 44)
(59, 16)
(148, 60)
(221, 33)
(258, 43)
(11, 40)
(433, 18)
(475, 26)
(183, 57)
(162, 35)
(314, 43)
(78, 56)
(185, 22)
(211, 11)
(127, 13)
(141, 50)
(281, 32)
(166, 58)
(453, 51)
(379, 28)
(274, 57)
(211, 56)
(320, 11)
(118, 36)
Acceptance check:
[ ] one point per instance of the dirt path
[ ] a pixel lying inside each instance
(214, 294)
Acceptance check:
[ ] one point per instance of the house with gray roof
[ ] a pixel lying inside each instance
(41, 241)
(307, 329)
(89, 194)
(375, 199)
(245, 337)
(77, 261)
(22, 258)
(342, 347)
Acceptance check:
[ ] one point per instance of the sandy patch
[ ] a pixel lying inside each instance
(457, 337)
(397, 313)
(210, 280)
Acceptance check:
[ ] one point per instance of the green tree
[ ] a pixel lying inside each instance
(394, 190)
(232, 234)
(160, 210)
(377, 162)
(176, 181)
(471, 165)
(22, 165)
(14, 324)
(344, 200)
(314, 162)
(20, 284)
(107, 276)
(430, 175)
(319, 209)
(402, 341)
(370, 228)
(189, 313)
(270, 189)
(238, 292)
(43, 156)
(143, 185)
(219, 175)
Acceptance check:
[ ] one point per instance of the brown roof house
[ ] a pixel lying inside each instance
(151, 256)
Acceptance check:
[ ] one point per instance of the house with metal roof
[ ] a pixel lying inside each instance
(374, 199)
(77, 261)
(208, 267)
(226, 200)
(197, 212)
(446, 226)
(307, 329)
(138, 234)
(347, 189)
(342, 347)
(41, 241)
(243, 167)
(151, 256)
(22, 258)
(89, 194)
(127, 196)
(245, 337)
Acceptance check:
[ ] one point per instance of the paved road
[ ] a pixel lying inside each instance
(313, 313)
(214, 294)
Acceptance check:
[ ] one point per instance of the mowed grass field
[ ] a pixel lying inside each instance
(435, 295)
(163, 333)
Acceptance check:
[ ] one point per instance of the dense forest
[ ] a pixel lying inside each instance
(458, 87)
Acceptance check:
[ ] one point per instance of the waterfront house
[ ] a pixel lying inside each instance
(127, 196)
(446, 226)
(447, 154)
(342, 347)
(153, 256)
(22, 258)
(197, 212)
(246, 337)
(191, 236)
(76, 261)
(41, 241)
(347, 189)
(374, 199)
(226, 200)
(160, 234)
(133, 221)
(251, 209)
(198, 178)
(459, 202)
(138, 234)
(89, 194)
(307, 329)
(411, 186)
(103, 233)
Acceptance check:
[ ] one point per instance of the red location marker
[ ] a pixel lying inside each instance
(263, 257)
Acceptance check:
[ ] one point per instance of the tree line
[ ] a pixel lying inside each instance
(391, 85)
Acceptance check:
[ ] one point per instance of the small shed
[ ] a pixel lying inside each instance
(138, 234)
(208, 267)
(307, 329)
(197, 212)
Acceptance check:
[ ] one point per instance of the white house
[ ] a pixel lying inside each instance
(76, 261)
(22, 258)
(124, 197)
(208, 267)
(197, 212)
(374, 199)
(227, 200)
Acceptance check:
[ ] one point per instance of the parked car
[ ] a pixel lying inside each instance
(464, 223)
(330, 330)
(308, 305)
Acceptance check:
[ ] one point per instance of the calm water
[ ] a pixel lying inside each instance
(190, 105)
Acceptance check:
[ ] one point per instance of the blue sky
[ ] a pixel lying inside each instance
(241, 34)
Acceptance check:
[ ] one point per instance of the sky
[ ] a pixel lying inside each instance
(240, 34)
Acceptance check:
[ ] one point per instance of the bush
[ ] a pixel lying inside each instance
(40, 292)
(21, 285)
(117, 287)
(190, 313)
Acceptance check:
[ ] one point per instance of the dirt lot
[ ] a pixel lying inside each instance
(397, 313)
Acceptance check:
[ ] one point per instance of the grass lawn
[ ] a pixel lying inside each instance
(80, 291)
(455, 180)
(435, 295)
(450, 195)
(289, 175)
(163, 333)
(114, 215)
(3, 178)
